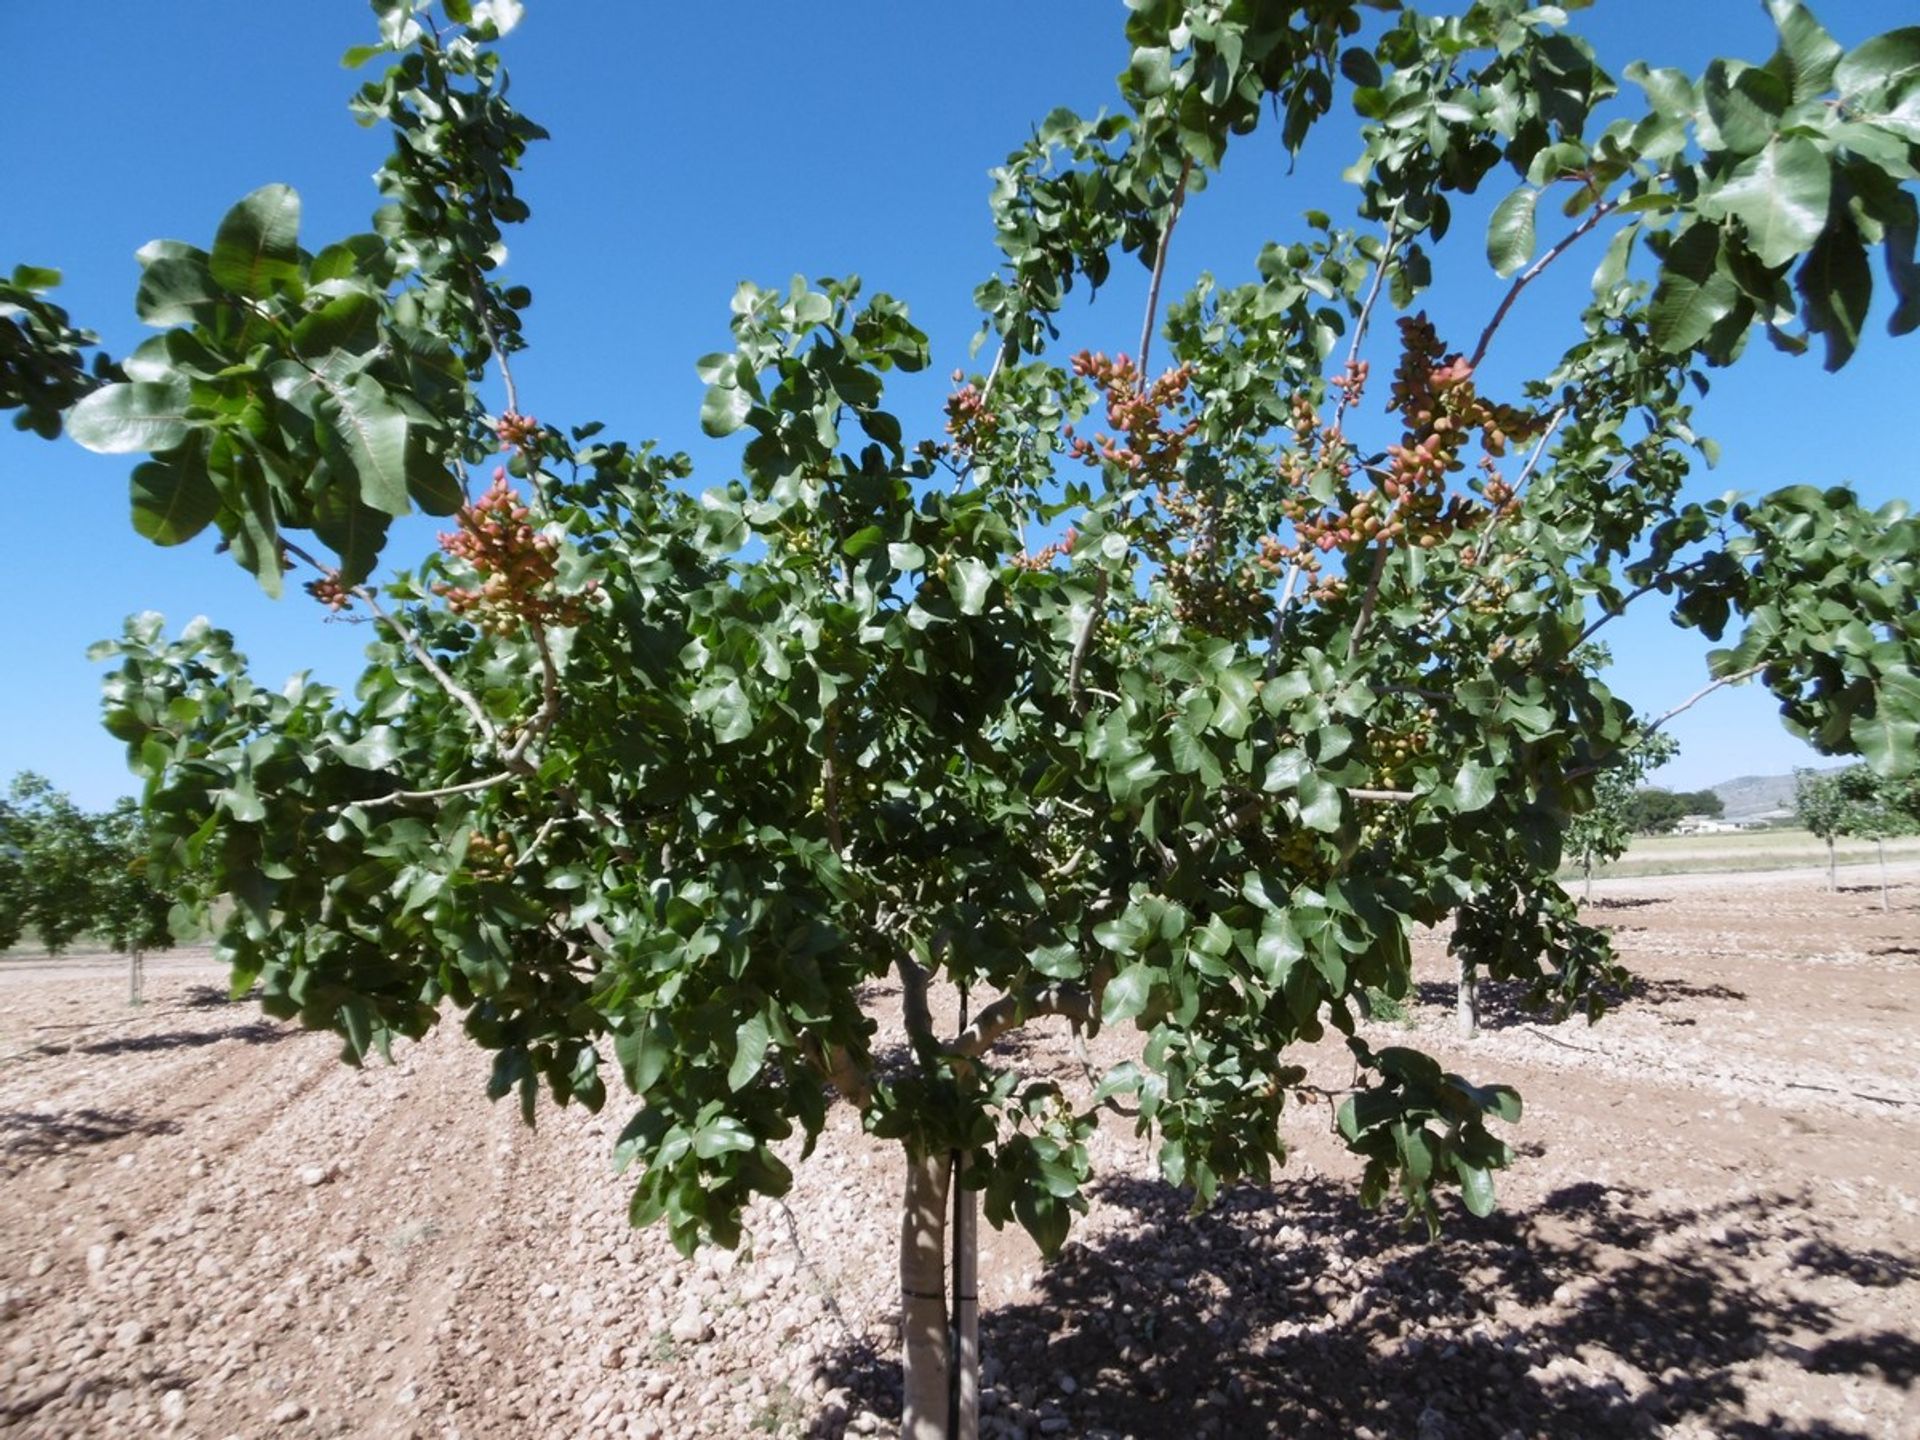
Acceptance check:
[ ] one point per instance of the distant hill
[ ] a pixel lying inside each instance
(1755, 797)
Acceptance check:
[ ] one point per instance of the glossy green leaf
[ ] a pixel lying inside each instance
(1781, 197)
(256, 251)
(1474, 787)
(1836, 287)
(173, 500)
(1692, 296)
(1510, 233)
(1127, 993)
(126, 419)
(365, 435)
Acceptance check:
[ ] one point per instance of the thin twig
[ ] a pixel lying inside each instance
(1160, 264)
(1368, 601)
(1280, 618)
(445, 681)
(1366, 310)
(493, 343)
(1082, 643)
(402, 797)
(1616, 611)
(1527, 277)
(1702, 693)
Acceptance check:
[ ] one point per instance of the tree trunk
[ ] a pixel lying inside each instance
(1588, 867)
(966, 1307)
(1881, 846)
(925, 1368)
(1833, 880)
(1467, 1008)
(136, 976)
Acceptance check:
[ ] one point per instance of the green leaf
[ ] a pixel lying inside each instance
(1320, 803)
(256, 250)
(1878, 65)
(1476, 1186)
(349, 322)
(749, 1049)
(1808, 54)
(1836, 286)
(125, 419)
(173, 500)
(365, 435)
(969, 581)
(375, 750)
(1474, 787)
(1692, 296)
(353, 531)
(724, 410)
(1510, 234)
(1781, 196)
(1126, 994)
(175, 284)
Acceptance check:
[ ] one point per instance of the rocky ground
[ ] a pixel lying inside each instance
(212, 1228)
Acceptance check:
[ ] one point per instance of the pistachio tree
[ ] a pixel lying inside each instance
(1167, 687)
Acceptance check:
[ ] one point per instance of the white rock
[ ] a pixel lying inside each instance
(287, 1412)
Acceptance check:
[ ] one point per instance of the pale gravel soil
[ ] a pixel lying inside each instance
(211, 1228)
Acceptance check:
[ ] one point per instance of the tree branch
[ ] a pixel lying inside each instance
(1366, 309)
(1701, 694)
(1160, 265)
(1013, 1010)
(1532, 272)
(445, 681)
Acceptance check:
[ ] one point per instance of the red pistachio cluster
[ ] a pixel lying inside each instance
(1443, 411)
(1146, 444)
(330, 592)
(971, 424)
(515, 563)
(1043, 557)
(518, 432)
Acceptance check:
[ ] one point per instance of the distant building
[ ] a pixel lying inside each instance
(1707, 825)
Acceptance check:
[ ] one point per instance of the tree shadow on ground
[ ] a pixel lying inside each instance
(1294, 1312)
(1506, 1003)
(258, 1032)
(28, 1135)
(1625, 902)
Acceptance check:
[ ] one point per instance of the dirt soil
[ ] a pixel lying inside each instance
(212, 1228)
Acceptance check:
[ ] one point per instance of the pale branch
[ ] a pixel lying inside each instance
(1015, 1009)
(836, 1064)
(1366, 310)
(1160, 265)
(539, 839)
(830, 780)
(493, 343)
(913, 1001)
(1280, 618)
(433, 667)
(549, 710)
(1368, 601)
(1397, 797)
(1705, 690)
(402, 797)
(1082, 643)
(1532, 272)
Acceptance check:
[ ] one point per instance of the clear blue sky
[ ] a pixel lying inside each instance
(693, 147)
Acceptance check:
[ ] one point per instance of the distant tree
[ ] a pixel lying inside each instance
(1876, 808)
(65, 873)
(52, 852)
(1654, 811)
(1602, 833)
(1819, 806)
(1705, 803)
